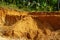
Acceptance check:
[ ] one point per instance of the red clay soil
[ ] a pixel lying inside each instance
(53, 18)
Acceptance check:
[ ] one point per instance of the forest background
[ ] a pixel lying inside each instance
(31, 5)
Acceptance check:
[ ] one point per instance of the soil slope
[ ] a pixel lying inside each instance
(18, 25)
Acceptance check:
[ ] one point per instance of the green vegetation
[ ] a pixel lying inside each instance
(30, 5)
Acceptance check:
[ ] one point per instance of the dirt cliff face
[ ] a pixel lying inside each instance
(10, 14)
(53, 18)
(33, 25)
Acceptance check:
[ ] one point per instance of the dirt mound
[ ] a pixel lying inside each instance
(31, 28)
(25, 25)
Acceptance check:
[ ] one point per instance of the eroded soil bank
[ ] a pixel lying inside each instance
(29, 25)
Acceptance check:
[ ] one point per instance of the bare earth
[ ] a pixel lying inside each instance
(16, 25)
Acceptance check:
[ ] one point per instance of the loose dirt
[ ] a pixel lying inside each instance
(26, 27)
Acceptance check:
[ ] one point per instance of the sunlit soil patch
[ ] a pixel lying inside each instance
(29, 26)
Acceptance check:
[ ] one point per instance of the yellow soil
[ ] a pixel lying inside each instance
(25, 27)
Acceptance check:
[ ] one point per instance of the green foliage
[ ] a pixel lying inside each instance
(31, 5)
